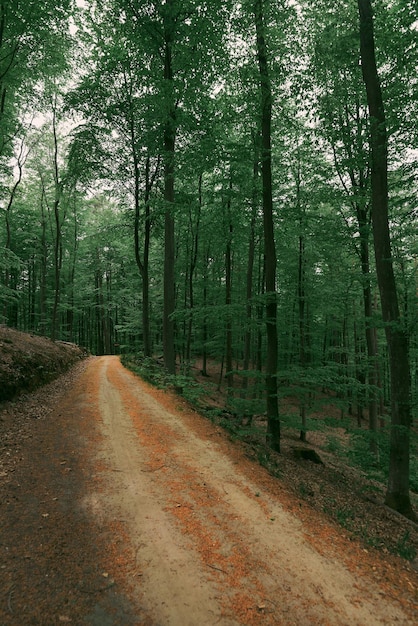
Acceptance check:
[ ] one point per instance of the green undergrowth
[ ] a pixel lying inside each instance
(369, 451)
(153, 371)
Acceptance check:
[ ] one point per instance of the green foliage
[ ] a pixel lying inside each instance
(153, 371)
(334, 445)
(148, 368)
(345, 518)
(404, 549)
(376, 466)
(246, 406)
(360, 453)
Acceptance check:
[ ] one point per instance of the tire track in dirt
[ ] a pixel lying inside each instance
(212, 546)
(171, 583)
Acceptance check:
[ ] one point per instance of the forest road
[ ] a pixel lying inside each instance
(212, 543)
(120, 506)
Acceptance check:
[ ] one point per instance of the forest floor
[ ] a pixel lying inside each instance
(121, 505)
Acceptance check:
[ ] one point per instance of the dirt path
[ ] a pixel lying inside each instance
(212, 545)
(193, 533)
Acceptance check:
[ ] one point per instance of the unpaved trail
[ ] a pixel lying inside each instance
(214, 539)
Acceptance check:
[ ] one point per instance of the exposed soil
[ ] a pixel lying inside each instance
(28, 361)
(120, 505)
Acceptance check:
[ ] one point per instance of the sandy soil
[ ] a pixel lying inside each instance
(169, 524)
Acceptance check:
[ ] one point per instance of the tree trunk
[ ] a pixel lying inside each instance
(8, 244)
(71, 279)
(43, 270)
(228, 299)
(273, 422)
(99, 308)
(169, 278)
(360, 373)
(57, 231)
(57, 270)
(397, 495)
(108, 322)
(205, 319)
(250, 265)
(302, 330)
(169, 153)
(370, 331)
(261, 284)
(193, 261)
(301, 303)
(143, 264)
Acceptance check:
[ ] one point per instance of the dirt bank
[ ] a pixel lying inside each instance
(28, 361)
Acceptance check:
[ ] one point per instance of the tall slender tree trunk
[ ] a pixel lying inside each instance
(261, 286)
(32, 292)
(273, 422)
(107, 318)
(370, 330)
(397, 495)
(8, 243)
(71, 279)
(146, 332)
(250, 264)
(360, 372)
(193, 261)
(99, 308)
(302, 330)
(57, 230)
(43, 269)
(169, 230)
(228, 298)
(249, 304)
(205, 332)
(57, 270)
(301, 300)
(143, 264)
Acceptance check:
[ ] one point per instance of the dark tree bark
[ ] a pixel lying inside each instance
(302, 330)
(43, 253)
(58, 219)
(71, 279)
(195, 231)
(169, 230)
(364, 227)
(273, 422)
(397, 495)
(57, 269)
(228, 297)
(146, 331)
(8, 243)
(205, 332)
(250, 264)
(143, 263)
(303, 355)
(98, 308)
